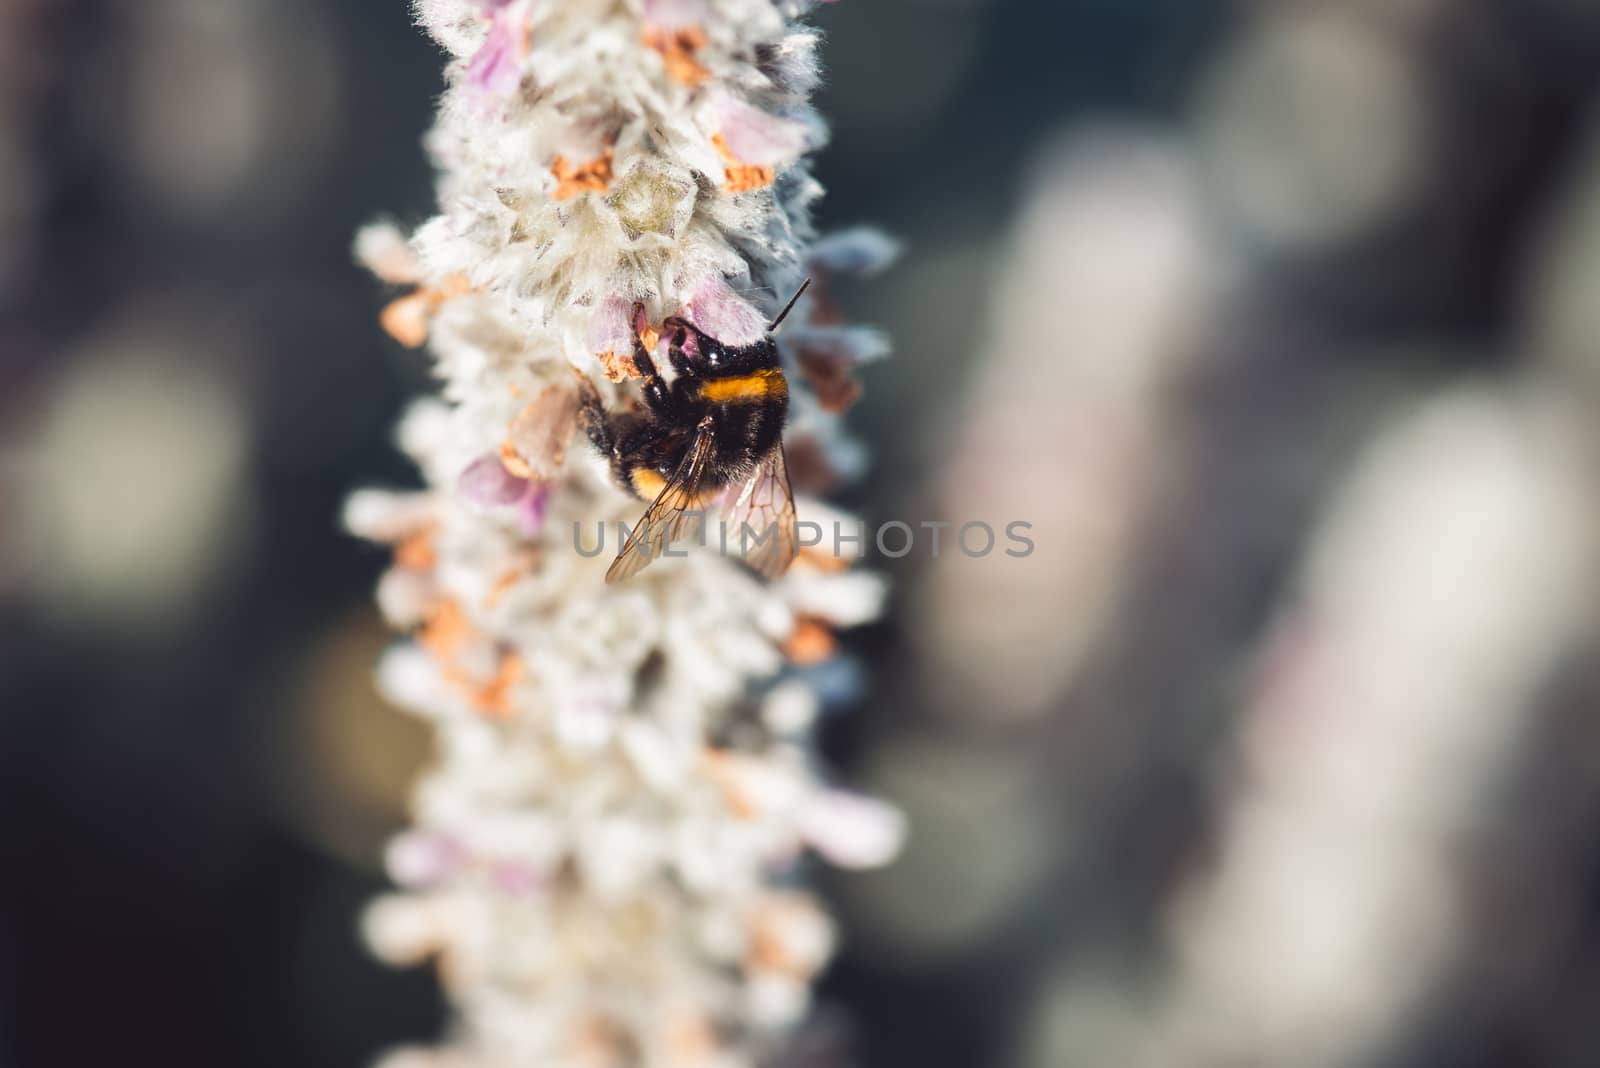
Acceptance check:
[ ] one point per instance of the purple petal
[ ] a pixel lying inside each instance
(640, 319)
(756, 137)
(421, 858)
(532, 507)
(515, 879)
(719, 311)
(851, 830)
(496, 67)
(608, 327)
(487, 484)
(675, 14)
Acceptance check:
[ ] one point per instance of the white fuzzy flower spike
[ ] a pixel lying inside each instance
(603, 860)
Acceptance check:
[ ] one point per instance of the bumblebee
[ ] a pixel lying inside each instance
(711, 439)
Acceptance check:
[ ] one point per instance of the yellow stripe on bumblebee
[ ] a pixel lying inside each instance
(762, 385)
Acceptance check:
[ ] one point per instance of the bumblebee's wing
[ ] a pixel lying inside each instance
(664, 521)
(761, 521)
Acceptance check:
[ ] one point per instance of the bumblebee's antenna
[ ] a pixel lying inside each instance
(789, 307)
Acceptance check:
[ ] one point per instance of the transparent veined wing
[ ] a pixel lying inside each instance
(760, 519)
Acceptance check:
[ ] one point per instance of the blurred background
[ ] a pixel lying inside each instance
(1278, 321)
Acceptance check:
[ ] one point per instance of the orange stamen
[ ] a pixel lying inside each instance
(827, 563)
(769, 951)
(502, 585)
(494, 698)
(739, 176)
(721, 768)
(677, 48)
(766, 952)
(594, 1041)
(408, 319)
(591, 177)
(512, 460)
(416, 552)
(811, 642)
(445, 635)
(690, 1039)
(617, 366)
(446, 631)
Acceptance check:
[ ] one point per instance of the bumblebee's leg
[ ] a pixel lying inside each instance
(686, 392)
(656, 394)
(680, 359)
(596, 420)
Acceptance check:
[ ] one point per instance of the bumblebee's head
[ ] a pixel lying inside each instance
(715, 357)
(719, 360)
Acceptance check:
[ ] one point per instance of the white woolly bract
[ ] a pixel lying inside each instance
(621, 793)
